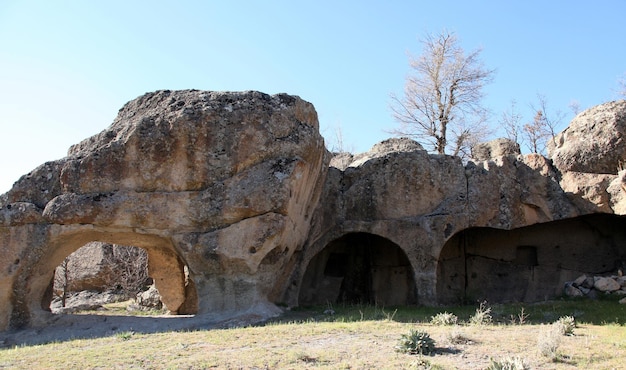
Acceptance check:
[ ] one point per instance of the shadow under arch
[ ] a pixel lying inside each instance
(359, 267)
(528, 264)
(165, 267)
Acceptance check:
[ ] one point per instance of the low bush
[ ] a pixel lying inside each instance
(482, 316)
(549, 341)
(565, 325)
(416, 342)
(508, 363)
(444, 318)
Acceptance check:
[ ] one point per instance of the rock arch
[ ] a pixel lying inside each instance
(359, 267)
(32, 289)
(222, 182)
(529, 263)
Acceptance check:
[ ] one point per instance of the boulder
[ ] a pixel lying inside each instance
(150, 298)
(580, 281)
(572, 291)
(495, 148)
(86, 269)
(393, 145)
(594, 142)
(606, 284)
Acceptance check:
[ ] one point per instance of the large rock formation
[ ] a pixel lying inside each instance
(223, 183)
(238, 188)
(503, 227)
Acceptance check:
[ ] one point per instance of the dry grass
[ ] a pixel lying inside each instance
(326, 342)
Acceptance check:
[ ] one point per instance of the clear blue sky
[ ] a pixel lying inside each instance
(66, 67)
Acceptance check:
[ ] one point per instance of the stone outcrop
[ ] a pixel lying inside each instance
(239, 206)
(594, 142)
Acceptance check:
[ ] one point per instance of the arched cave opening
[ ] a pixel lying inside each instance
(359, 268)
(100, 273)
(531, 263)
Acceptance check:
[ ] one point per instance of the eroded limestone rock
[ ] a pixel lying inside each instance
(220, 182)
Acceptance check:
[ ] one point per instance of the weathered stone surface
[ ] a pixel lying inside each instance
(21, 213)
(495, 148)
(589, 191)
(594, 142)
(37, 187)
(617, 193)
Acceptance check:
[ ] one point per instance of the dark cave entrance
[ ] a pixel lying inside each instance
(529, 264)
(359, 268)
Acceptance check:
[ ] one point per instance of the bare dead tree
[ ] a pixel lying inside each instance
(443, 94)
(466, 136)
(535, 133)
(621, 90)
(129, 269)
(574, 105)
(511, 122)
(62, 279)
(337, 143)
(550, 121)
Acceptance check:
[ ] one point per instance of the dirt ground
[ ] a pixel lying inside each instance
(64, 327)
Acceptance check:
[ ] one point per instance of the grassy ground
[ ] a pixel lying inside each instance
(356, 337)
